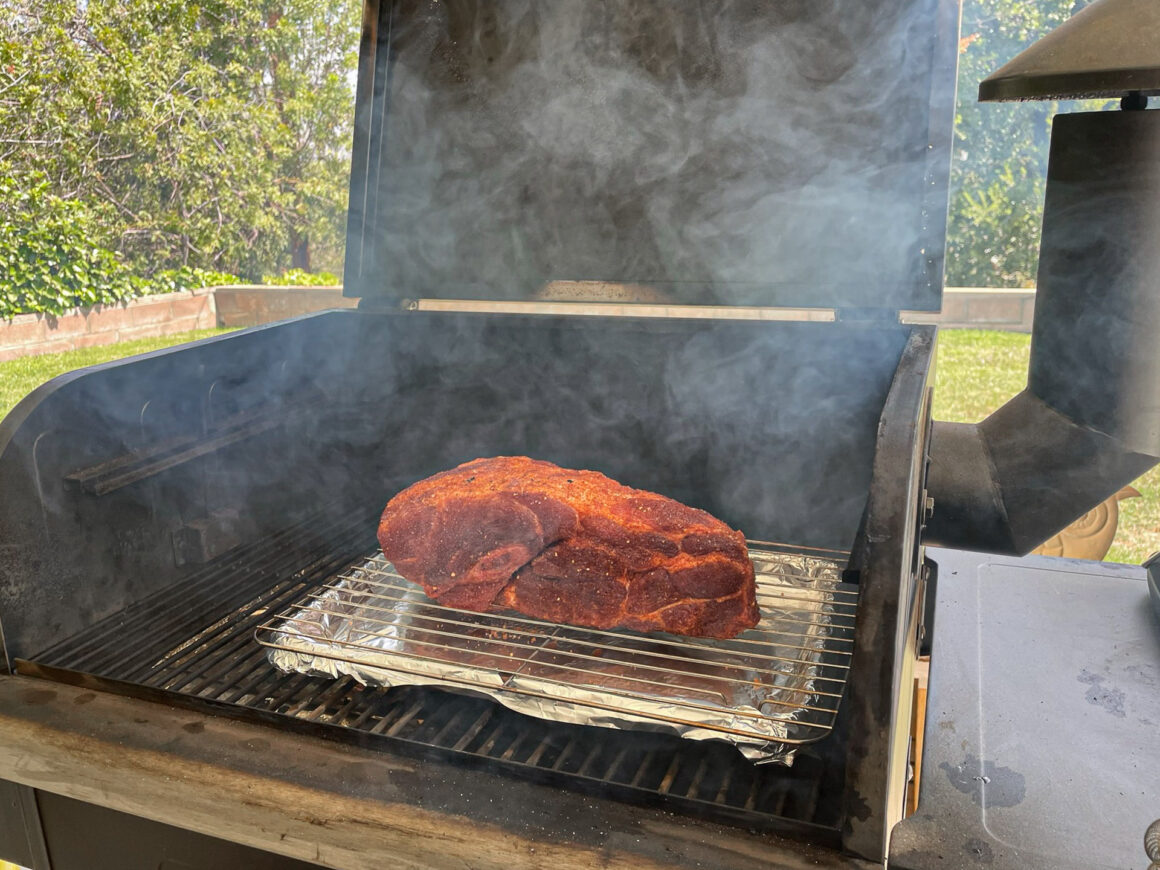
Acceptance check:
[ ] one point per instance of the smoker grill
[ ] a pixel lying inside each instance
(190, 641)
(161, 513)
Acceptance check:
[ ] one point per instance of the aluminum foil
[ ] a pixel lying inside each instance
(767, 691)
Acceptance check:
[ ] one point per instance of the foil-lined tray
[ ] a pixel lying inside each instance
(768, 690)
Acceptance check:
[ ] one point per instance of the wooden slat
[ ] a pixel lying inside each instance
(917, 727)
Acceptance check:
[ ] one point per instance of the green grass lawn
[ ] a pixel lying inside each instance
(980, 370)
(977, 372)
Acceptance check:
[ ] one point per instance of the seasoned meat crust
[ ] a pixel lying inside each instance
(513, 533)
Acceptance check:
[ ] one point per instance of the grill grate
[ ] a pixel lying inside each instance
(193, 644)
(780, 681)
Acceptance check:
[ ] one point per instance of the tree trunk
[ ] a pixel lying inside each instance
(300, 252)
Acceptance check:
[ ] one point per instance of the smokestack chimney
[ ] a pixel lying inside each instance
(1089, 420)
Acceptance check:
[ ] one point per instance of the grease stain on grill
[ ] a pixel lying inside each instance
(987, 784)
(1109, 697)
(257, 744)
(859, 808)
(38, 697)
(979, 850)
(193, 727)
(84, 698)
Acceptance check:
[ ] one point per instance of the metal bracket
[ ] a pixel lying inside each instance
(37, 846)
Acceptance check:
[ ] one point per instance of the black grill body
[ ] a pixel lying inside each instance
(158, 508)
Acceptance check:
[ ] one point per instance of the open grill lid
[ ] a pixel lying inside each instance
(729, 153)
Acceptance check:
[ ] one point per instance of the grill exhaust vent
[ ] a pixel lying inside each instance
(1089, 420)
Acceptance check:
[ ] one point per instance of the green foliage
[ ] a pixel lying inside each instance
(301, 278)
(1000, 156)
(49, 263)
(211, 135)
(189, 278)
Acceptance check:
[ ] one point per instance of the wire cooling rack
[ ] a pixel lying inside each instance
(778, 682)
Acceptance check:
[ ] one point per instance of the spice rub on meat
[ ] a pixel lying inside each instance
(513, 533)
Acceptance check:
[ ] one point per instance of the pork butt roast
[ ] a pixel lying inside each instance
(513, 533)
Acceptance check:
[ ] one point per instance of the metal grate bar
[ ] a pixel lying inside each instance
(723, 792)
(670, 775)
(698, 775)
(267, 683)
(353, 698)
(391, 725)
(476, 726)
(751, 798)
(298, 695)
(538, 752)
(641, 769)
(614, 765)
(450, 728)
(248, 681)
(489, 744)
(201, 652)
(564, 753)
(218, 657)
(582, 770)
(108, 640)
(329, 699)
(373, 708)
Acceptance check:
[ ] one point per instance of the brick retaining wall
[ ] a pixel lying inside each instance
(250, 305)
(165, 314)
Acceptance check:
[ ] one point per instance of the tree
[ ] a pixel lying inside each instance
(212, 134)
(1000, 153)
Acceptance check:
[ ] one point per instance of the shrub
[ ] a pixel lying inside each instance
(188, 278)
(48, 263)
(302, 278)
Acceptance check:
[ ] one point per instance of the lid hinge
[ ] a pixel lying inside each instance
(389, 303)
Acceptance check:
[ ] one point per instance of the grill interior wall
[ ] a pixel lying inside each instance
(769, 425)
